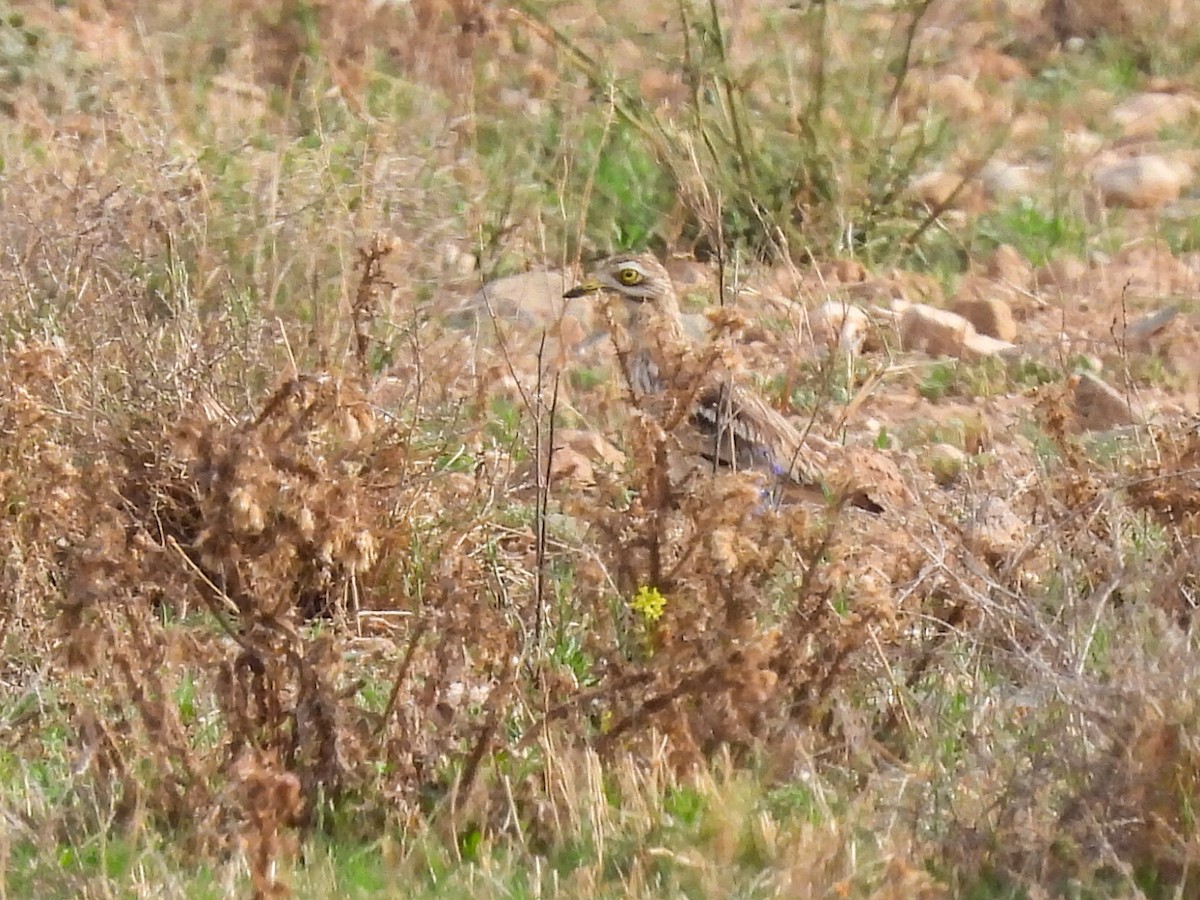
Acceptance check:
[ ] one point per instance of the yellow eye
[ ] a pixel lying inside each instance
(629, 276)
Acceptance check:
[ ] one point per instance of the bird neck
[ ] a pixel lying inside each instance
(645, 376)
(663, 327)
(659, 339)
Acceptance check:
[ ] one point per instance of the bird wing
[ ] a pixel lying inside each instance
(736, 428)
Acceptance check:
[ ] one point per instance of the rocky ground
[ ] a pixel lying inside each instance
(338, 557)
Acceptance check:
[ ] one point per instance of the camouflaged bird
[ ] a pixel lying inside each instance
(727, 423)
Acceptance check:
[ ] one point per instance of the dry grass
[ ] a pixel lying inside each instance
(291, 603)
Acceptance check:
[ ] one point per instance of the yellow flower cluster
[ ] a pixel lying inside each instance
(649, 603)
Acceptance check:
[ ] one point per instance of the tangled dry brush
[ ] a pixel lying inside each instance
(259, 586)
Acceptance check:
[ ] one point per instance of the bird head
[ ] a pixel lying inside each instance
(640, 280)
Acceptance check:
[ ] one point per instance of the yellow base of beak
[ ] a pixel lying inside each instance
(586, 287)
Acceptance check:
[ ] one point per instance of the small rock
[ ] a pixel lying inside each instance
(1008, 266)
(957, 95)
(981, 346)
(945, 462)
(849, 271)
(1143, 331)
(1001, 179)
(1064, 273)
(941, 190)
(697, 326)
(1143, 182)
(879, 484)
(936, 332)
(1142, 115)
(458, 261)
(571, 469)
(595, 447)
(538, 80)
(839, 325)
(990, 316)
(577, 457)
(870, 479)
(1082, 144)
(661, 87)
(690, 276)
(530, 299)
(993, 65)
(939, 332)
(994, 531)
(842, 271)
(1099, 406)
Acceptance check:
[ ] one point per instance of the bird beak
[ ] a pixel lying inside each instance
(586, 287)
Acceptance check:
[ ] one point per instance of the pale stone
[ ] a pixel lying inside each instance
(1064, 273)
(990, 316)
(690, 276)
(939, 332)
(839, 325)
(955, 94)
(1001, 179)
(1143, 182)
(994, 531)
(980, 346)
(1142, 332)
(940, 189)
(1009, 267)
(945, 462)
(936, 332)
(531, 299)
(1142, 115)
(870, 479)
(595, 447)
(571, 469)
(577, 455)
(1082, 144)
(849, 271)
(458, 261)
(1098, 406)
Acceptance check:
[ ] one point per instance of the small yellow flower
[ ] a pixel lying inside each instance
(649, 603)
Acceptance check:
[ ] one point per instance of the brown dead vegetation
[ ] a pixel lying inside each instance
(271, 604)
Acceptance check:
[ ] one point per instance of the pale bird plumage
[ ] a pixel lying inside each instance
(730, 425)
